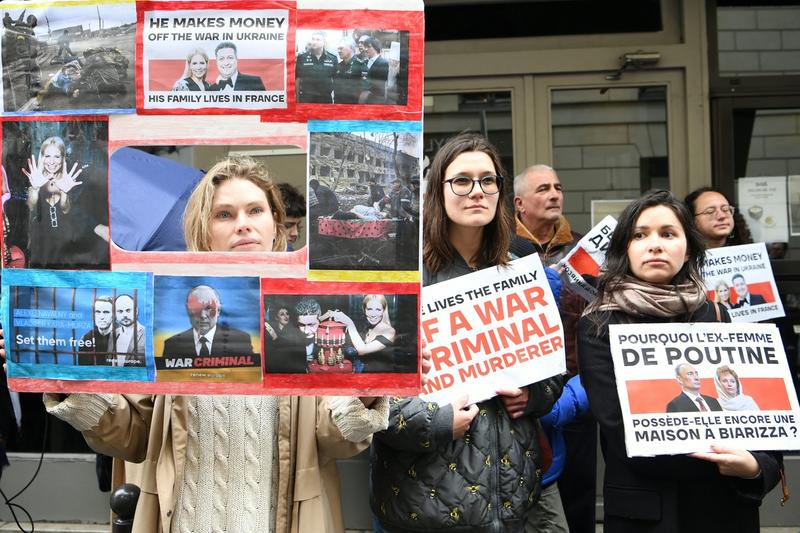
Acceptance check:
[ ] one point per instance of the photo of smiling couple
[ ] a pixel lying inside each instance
(229, 78)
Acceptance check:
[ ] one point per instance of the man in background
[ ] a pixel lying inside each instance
(314, 72)
(295, 205)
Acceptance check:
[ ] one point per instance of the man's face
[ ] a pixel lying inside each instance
(543, 199)
(740, 287)
(227, 63)
(345, 52)
(396, 185)
(103, 315)
(317, 43)
(124, 308)
(292, 225)
(689, 378)
(308, 325)
(362, 47)
(203, 308)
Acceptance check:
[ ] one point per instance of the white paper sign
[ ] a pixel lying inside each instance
(583, 262)
(740, 278)
(763, 204)
(496, 328)
(738, 370)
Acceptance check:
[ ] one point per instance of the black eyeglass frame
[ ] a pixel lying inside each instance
(478, 181)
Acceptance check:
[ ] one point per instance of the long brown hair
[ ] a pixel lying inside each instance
(437, 252)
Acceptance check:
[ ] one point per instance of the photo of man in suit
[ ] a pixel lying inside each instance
(291, 351)
(743, 296)
(206, 336)
(377, 74)
(98, 343)
(230, 79)
(130, 333)
(690, 399)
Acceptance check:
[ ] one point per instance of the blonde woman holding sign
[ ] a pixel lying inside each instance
(652, 275)
(229, 463)
(442, 466)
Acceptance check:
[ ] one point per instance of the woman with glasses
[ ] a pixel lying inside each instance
(466, 467)
(716, 219)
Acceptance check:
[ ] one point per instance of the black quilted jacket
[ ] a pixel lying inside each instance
(488, 480)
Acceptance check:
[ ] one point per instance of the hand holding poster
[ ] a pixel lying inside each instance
(682, 387)
(583, 262)
(740, 278)
(492, 329)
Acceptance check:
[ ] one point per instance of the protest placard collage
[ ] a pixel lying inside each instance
(113, 112)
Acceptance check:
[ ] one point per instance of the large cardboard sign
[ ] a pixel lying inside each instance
(740, 278)
(496, 328)
(683, 387)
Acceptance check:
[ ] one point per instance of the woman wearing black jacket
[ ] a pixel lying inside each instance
(456, 467)
(652, 275)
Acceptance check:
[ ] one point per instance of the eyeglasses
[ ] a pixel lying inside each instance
(711, 211)
(463, 185)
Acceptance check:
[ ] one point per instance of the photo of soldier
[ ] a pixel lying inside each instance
(82, 58)
(368, 66)
(314, 72)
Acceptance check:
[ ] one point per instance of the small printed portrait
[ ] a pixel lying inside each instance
(364, 199)
(352, 66)
(369, 333)
(729, 391)
(744, 298)
(689, 399)
(56, 209)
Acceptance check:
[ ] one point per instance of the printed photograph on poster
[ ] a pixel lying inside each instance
(762, 202)
(55, 194)
(68, 58)
(340, 333)
(794, 205)
(215, 58)
(495, 328)
(683, 387)
(364, 195)
(740, 279)
(77, 325)
(207, 329)
(351, 66)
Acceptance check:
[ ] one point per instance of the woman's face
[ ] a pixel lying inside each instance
(716, 225)
(373, 310)
(729, 384)
(476, 209)
(198, 65)
(657, 250)
(241, 218)
(53, 160)
(723, 292)
(283, 316)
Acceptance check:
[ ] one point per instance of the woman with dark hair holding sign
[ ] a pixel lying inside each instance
(652, 275)
(229, 463)
(450, 466)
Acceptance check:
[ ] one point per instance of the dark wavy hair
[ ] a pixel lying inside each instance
(740, 234)
(617, 265)
(437, 252)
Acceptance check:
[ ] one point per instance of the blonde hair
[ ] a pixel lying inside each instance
(382, 300)
(716, 292)
(197, 215)
(58, 142)
(187, 70)
(725, 369)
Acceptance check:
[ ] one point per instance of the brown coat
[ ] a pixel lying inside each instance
(149, 432)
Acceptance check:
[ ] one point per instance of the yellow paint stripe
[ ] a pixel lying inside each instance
(57, 4)
(376, 276)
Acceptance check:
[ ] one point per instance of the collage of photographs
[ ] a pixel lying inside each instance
(121, 205)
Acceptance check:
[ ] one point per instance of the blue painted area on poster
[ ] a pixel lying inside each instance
(239, 304)
(78, 324)
(400, 126)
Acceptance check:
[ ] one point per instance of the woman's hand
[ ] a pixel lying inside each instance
(462, 416)
(731, 461)
(101, 230)
(35, 172)
(514, 401)
(69, 179)
(271, 331)
(338, 316)
(426, 363)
